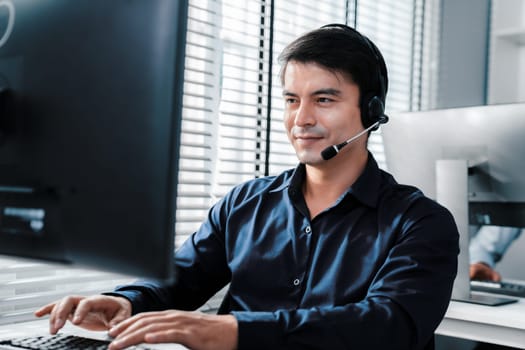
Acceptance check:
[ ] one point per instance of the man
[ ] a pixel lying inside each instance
(487, 248)
(331, 255)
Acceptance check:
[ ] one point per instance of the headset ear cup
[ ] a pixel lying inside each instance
(372, 110)
(376, 109)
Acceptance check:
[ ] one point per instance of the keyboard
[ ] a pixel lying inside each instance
(57, 342)
(503, 287)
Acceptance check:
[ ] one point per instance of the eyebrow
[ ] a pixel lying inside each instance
(327, 91)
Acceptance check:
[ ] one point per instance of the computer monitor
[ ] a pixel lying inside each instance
(90, 123)
(469, 159)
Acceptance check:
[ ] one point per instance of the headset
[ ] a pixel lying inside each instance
(371, 102)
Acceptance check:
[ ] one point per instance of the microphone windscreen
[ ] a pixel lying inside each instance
(328, 153)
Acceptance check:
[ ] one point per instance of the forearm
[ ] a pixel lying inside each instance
(353, 326)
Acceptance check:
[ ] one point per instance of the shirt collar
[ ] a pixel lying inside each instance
(367, 186)
(365, 189)
(294, 181)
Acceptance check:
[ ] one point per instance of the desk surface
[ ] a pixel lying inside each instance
(40, 327)
(504, 324)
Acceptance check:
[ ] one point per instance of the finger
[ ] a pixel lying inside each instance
(120, 327)
(495, 276)
(147, 326)
(120, 316)
(127, 339)
(44, 310)
(61, 312)
(149, 321)
(84, 306)
(165, 336)
(131, 323)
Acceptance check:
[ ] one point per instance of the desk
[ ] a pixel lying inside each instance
(504, 325)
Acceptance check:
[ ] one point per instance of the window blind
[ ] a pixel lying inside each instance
(26, 285)
(243, 34)
(232, 128)
(198, 152)
(307, 15)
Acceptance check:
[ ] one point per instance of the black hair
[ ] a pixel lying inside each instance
(342, 49)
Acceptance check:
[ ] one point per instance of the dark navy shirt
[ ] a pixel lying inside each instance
(373, 271)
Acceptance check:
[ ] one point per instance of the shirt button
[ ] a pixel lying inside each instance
(296, 282)
(308, 229)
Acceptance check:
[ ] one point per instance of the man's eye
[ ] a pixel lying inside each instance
(290, 101)
(324, 100)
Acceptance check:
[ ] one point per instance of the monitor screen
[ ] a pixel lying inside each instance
(489, 138)
(90, 119)
(470, 159)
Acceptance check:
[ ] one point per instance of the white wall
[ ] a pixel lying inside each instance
(463, 53)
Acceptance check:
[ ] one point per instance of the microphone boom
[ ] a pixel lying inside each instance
(330, 152)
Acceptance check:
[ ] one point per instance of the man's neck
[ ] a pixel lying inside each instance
(325, 184)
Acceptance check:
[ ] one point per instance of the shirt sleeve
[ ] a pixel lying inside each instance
(377, 323)
(201, 271)
(490, 243)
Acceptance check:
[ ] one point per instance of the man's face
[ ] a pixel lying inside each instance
(321, 109)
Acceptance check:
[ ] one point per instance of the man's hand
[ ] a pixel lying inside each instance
(481, 271)
(96, 313)
(194, 330)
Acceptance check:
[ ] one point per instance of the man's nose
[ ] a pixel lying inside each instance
(304, 115)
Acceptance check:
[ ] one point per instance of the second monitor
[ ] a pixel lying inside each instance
(469, 159)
